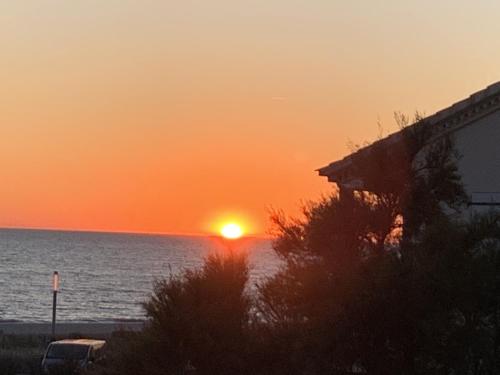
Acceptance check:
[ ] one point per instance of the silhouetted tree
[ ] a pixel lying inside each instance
(197, 323)
(387, 280)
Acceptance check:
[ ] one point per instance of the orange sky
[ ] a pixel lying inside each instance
(157, 117)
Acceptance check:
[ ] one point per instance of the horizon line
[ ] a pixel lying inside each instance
(107, 231)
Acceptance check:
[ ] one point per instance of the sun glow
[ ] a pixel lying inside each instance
(231, 231)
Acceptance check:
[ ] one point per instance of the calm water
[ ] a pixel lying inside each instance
(103, 276)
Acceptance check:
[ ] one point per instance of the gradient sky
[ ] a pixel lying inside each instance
(163, 116)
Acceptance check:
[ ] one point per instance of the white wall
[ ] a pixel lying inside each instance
(479, 146)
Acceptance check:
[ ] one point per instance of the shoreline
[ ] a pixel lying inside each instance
(69, 328)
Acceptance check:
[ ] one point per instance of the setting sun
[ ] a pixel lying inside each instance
(231, 231)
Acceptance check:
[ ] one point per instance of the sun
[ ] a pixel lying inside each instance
(231, 231)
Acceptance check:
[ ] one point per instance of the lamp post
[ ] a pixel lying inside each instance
(55, 289)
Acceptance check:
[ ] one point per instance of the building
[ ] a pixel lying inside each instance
(474, 126)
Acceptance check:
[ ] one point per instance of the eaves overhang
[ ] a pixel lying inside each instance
(463, 113)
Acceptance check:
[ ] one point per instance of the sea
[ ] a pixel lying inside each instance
(104, 276)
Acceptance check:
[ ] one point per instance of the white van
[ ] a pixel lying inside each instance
(79, 354)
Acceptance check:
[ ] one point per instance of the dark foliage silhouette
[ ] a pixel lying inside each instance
(197, 323)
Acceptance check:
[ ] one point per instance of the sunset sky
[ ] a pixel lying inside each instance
(171, 116)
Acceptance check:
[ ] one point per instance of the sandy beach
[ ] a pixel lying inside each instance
(63, 328)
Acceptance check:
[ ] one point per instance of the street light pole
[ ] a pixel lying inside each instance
(55, 289)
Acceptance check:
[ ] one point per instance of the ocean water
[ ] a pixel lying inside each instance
(104, 276)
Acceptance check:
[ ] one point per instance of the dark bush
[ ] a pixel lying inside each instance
(197, 321)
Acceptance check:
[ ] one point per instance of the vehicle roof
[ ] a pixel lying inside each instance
(96, 344)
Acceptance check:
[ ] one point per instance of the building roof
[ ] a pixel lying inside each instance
(86, 342)
(448, 120)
